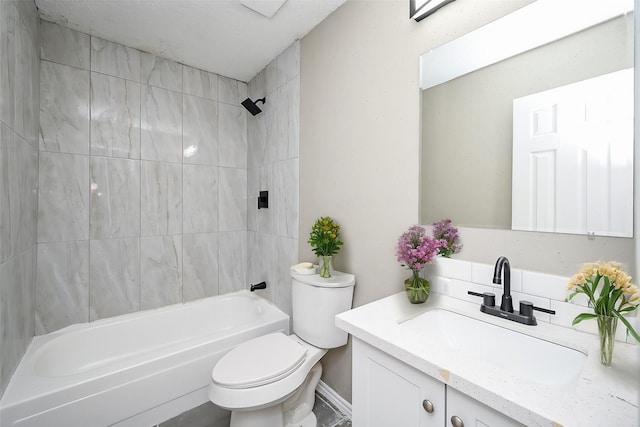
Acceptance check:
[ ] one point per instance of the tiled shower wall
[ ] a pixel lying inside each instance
(143, 181)
(145, 167)
(19, 73)
(273, 138)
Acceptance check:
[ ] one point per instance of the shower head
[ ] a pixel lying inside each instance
(252, 106)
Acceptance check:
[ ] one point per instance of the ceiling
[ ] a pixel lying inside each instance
(222, 36)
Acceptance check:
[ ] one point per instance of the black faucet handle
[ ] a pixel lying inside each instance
(488, 298)
(544, 310)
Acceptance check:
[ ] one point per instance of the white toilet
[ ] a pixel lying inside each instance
(270, 381)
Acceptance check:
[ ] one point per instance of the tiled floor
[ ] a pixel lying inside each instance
(209, 415)
(328, 415)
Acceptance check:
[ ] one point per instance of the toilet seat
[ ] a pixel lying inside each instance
(259, 361)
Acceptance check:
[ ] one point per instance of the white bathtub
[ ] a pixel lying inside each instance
(133, 370)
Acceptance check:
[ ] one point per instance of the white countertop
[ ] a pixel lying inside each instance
(603, 396)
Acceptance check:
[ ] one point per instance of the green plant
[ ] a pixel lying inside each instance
(325, 237)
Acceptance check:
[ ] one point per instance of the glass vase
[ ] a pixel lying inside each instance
(325, 267)
(417, 288)
(607, 330)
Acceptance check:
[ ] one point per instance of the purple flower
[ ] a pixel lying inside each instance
(415, 249)
(443, 230)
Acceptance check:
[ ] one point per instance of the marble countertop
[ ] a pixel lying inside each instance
(603, 396)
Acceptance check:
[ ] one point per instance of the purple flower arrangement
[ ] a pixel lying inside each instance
(448, 234)
(415, 249)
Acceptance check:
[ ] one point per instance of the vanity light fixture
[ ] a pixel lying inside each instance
(420, 9)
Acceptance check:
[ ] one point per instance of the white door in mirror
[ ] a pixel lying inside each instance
(573, 158)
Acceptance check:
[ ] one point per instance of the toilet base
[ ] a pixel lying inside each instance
(295, 410)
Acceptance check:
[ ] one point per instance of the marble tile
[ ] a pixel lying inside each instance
(16, 310)
(200, 265)
(292, 89)
(7, 166)
(115, 117)
(232, 273)
(286, 198)
(64, 45)
(253, 190)
(288, 64)
(161, 271)
(8, 55)
(200, 131)
(24, 195)
(256, 140)
(161, 198)
(63, 201)
(160, 72)
(200, 199)
(114, 197)
(64, 109)
(31, 92)
(271, 76)
(286, 256)
(199, 83)
(19, 172)
(161, 137)
(275, 131)
(261, 262)
(115, 59)
(205, 415)
(22, 76)
(232, 136)
(29, 13)
(62, 285)
(114, 277)
(327, 415)
(266, 182)
(279, 135)
(233, 199)
(231, 91)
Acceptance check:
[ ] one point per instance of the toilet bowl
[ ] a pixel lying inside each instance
(270, 381)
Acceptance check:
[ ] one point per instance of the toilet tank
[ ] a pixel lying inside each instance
(316, 301)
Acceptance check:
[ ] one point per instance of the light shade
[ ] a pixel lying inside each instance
(420, 9)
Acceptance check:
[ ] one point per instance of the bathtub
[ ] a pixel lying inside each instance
(137, 369)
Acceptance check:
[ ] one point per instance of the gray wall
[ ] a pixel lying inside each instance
(19, 74)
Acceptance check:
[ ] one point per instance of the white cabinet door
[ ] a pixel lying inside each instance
(472, 413)
(387, 392)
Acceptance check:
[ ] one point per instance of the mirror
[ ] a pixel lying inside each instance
(468, 129)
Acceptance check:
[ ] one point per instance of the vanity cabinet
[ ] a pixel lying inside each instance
(388, 392)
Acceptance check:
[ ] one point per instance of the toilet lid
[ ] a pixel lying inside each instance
(259, 361)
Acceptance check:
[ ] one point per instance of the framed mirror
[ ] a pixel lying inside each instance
(471, 88)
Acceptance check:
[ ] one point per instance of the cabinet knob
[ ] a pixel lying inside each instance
(427, 405)
(456, 421)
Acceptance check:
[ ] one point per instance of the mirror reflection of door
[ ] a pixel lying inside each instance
(573, 158)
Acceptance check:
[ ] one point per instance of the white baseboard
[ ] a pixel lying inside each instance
(334, 398)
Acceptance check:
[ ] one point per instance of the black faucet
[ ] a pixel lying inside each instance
(502, 264)
(505, 311)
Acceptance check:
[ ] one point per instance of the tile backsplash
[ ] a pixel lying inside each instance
(454, 278)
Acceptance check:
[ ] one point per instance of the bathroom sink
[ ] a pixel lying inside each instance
(522, 355)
